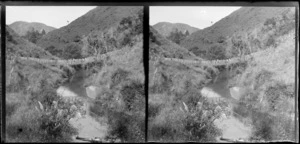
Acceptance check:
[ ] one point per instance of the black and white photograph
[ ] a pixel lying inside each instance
(149, 72)
(75, 74)
(222, 74)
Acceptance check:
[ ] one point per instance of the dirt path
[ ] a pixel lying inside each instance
(233, 128)
(87, 126)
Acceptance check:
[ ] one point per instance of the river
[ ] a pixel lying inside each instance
(232, 127)
(87, 126)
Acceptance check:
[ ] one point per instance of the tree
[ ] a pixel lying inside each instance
(216, 52)
(33, 35)
(43, 32)
(221, 39)
(55, 51)
(176, 36)
(187, 33)
(72, 51)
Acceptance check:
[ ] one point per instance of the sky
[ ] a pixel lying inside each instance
(196, 16)
(55, 16)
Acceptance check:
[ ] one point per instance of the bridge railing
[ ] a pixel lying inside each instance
(220, 62)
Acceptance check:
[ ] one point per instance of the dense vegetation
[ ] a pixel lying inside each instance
(34, 111)
(269, 78)
(22, 27)
(37, 114)
(239, 23)
(177, 111)
(177, 36)
(34, 35)
(115, 38)
(121, 79)
(165, 28)
(99, 19)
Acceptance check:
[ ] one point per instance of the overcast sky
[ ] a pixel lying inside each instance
(55, 16)
(196, 16)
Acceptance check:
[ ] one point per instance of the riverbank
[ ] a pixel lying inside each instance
(86, 125)
(231, 126)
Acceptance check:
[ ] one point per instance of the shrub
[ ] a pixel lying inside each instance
(240, 45)
(221, 39)
(263, 124)
(77, 38)
(276, 93)
(167, 125)
(11, 108)
(126, 127)
(54, 51)
(201, 128)
(269, 128)
(271, 42)
(163, 86)
(153, 109)
(198, 52)
(176, 36)
(125, 116)
(23, 126)
(118, 76)
(285, 29)
(46, 124)
(216, 52)
(72, 51)
(173, 124)
(270, 21)
(133, 96)
(10, 38)
(262, 77)
(33, 35)
(153, 39)
(242, 110)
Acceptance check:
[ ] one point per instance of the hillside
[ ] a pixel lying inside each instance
(165, 28)
(256, 96)
(268, 83)
(21, 27)
(162, 47)
(34, 107)
(18, 46)
(174, 85)
(100, 18)
(242, 20)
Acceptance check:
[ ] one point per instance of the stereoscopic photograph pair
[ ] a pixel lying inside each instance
(120, 74)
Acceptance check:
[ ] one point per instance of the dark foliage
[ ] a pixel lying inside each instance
(34, 35)
(177, 36)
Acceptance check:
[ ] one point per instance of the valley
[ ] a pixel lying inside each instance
(230, 82)
(233, 81)
(91, 87)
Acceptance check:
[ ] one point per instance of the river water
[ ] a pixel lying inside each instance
(231, 126)
(86, 125)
